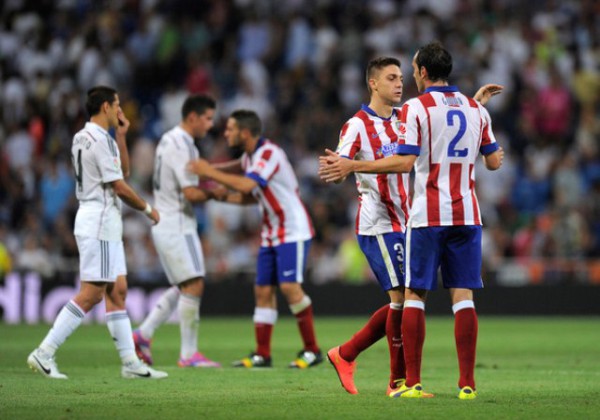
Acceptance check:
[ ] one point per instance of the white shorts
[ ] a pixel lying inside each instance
(180, 255)
(100, 260)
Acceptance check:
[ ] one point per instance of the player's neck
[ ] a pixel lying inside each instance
(186, 128)
(101, 121)
(250, 145)
(381, 108)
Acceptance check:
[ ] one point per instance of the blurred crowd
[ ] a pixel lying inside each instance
(300, 65)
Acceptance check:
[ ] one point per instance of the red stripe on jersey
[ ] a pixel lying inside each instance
(344, 129)
(278, 212)
(274, 172)
(357, 221)
(268, 225)
(382, 179)
(433, 195)
(485, 136)
(355, 144)
(404, 196)
(427, 100)
(472, 102)
(458, 210)
(476, 218)
(266, 154)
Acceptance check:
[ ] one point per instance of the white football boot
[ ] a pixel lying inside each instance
(138, 370)
(42, 362)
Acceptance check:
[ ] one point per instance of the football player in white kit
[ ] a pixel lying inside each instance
(100, 164)
(269, 179)
(176, 237)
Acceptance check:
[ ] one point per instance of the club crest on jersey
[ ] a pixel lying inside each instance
(386, 150)
(117, 163)
(261, 164)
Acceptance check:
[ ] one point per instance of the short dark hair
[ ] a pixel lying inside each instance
(436, 59)
(198, 104)
(377, 64)
(96, 96)
(248, 119)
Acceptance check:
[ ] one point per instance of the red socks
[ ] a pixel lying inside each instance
(393, 330)
(413, 335)
(263, 334)
(306, 326)
(465, 334)
(372, 332)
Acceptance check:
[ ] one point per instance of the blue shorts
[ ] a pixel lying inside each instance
(456, 249)
(282, 263)
(385, 254)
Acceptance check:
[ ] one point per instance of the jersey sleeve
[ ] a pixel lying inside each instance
(349, 143)
(108, 160)
(263, 168)
(177, 159)
(488, 141)
(409, 140)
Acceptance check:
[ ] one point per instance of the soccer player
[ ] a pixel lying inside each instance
(286, 234)
(372, 133)
(100, 163)
(443, 132)
(175, 237)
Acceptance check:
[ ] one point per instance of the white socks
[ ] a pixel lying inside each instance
(119, 325)
(160, 313)
(189, 320)
(67, 321)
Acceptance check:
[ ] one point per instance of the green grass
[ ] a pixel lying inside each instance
(530, 368)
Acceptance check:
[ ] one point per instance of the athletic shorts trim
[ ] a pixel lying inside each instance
(283, 263)
(454, 249)
(385, 254)
(99, 260)
(180, 255)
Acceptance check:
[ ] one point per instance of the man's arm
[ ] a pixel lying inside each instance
(494, 160)
(231, 166)
(332, 167)
(121, 137)
(238, 183)
(485, 93)
(198, 195)
(239, 198)
(133, 200)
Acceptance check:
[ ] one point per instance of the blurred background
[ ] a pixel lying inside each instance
(300, 65)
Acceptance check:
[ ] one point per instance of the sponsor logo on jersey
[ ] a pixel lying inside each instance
(386, 150)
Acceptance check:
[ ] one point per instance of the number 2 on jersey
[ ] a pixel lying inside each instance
(462, 128)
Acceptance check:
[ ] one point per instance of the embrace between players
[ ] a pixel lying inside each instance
(440, 133)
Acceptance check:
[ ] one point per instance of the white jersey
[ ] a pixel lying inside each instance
(285, 218)
(175, 149)
(383, 198)
(97, 162)
(447, 130)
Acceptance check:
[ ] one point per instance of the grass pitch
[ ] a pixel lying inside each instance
(528, 368)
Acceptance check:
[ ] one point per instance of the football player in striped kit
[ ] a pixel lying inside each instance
(443, 132)
(287, 230)
(100, 164)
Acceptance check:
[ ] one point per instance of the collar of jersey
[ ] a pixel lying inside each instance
(186, 135)
(98, 128)
(260, 142)
(441, 89)
(369, 111)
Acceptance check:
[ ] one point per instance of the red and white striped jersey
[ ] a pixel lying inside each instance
(447, 130)
(383, 198)
(285, 218)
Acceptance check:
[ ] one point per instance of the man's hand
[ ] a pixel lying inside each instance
(154, 216)
(218, 193)
(123, 123)
(199, 167)
(333, 168)
(485, 93)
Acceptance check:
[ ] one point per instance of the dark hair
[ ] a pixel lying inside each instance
(436, 59)
(198, 104)
(248, 119)
(96, 96)
(377, 64)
